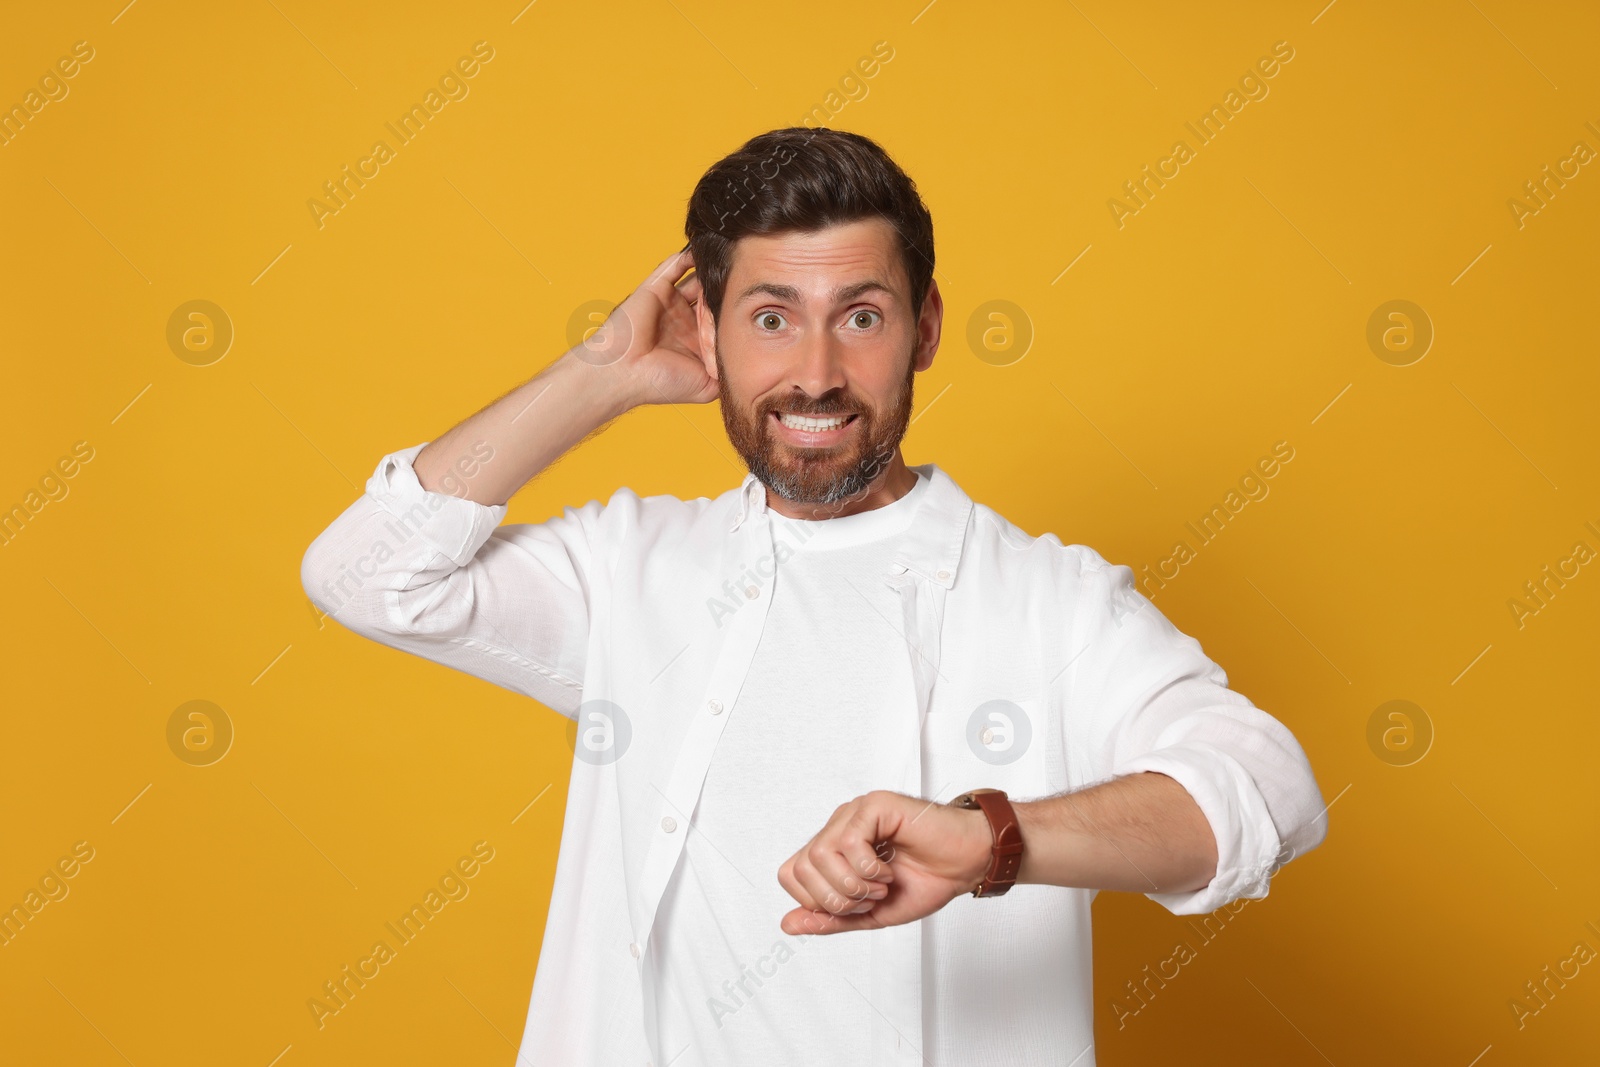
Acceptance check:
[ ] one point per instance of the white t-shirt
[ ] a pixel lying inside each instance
(807, 734)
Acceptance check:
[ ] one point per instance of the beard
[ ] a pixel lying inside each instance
(818, 475)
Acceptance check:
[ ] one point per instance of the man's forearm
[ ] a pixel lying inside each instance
(1140, 833)
(528, 429)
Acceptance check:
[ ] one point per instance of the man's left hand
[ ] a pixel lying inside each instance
(884, 859)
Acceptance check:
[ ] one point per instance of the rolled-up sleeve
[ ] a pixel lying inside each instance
(1147, 698)
(438, 576)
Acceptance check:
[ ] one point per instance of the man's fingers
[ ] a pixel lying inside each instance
(668, 272)
(805, 921)
(834, 884)
(841, 867)
(810, 890)
(822, 893)
(792, 885)
(808, 921)
(816, 894)
(868, 861)
(674, 265)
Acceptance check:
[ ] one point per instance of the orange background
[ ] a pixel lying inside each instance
(1229, 313)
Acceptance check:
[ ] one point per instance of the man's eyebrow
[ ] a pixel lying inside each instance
(792, 295)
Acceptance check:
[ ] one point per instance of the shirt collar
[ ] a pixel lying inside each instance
(931, 546)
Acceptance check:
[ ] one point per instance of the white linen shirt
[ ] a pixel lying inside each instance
(1037, 668)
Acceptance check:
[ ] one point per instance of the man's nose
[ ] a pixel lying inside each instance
(821, 367)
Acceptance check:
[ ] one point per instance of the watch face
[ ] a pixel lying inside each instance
(969, 799)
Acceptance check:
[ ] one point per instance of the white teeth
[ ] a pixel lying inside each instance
(802, 422)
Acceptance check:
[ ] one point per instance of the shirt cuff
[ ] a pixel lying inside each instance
(454, 525)
(1248, 845)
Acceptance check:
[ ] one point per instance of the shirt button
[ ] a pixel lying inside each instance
(715, 706)
(752, 592)
(634, 948)
(943, 575)
(669, 824)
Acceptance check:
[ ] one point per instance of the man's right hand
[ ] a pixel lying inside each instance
(653, 338)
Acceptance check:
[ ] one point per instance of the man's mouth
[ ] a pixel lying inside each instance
(813, 423)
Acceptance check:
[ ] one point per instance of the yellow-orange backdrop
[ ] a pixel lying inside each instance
(1442, 459)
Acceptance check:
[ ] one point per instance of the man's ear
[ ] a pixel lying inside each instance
(929, 326)
(708, 335)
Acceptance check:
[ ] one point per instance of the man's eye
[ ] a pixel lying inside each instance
(769, 320)
(856, 319)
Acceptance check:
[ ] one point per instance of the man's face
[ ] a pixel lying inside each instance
(819, 325)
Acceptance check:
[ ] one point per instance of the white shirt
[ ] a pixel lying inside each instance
(1030, 666)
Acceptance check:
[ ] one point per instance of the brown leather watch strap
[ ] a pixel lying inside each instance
(1006, 853)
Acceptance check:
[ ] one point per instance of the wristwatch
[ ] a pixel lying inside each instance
(1006, 856)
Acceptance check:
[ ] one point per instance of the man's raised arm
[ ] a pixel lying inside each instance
(421, 562)
(647, 352)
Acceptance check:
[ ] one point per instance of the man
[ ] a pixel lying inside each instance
(778, 692)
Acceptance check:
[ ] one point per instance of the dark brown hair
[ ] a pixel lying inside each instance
(804, 179)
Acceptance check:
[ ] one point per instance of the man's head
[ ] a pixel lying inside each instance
(815, 257)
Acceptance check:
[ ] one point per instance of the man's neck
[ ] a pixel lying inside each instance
(895, 482)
